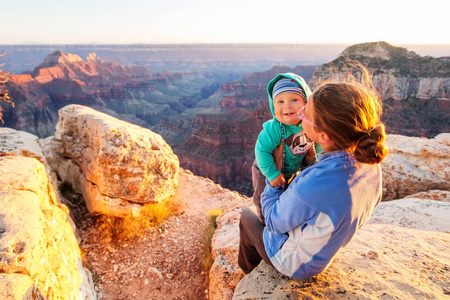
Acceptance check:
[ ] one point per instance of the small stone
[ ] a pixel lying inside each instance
(156, 271)
(373, 254)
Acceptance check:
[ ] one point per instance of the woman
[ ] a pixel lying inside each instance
(327, 203)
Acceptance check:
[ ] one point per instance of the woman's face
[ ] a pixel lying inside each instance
(308, 127)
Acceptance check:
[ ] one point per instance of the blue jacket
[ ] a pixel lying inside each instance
(319, 213)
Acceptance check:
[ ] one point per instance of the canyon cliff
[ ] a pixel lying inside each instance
(218, 142)
(212, 122)
(399, 253)
(415, 90)
(216, 139)
(132, 93)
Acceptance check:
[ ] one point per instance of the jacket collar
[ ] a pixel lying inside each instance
(336, 154)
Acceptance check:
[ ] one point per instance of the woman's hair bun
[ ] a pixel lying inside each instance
(371, 148)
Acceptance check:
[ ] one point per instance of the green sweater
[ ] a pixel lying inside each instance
(270, 137)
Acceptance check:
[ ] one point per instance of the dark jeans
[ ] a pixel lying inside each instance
(251, 244)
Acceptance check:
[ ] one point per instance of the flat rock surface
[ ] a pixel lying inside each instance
(382, 262)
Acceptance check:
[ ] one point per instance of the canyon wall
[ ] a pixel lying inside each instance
(415, 90)
(132, 93)
(219, 143)
(211, 122)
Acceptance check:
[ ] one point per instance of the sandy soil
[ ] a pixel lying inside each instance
(169, 261)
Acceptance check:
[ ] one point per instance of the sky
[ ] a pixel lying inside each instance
(223, 21)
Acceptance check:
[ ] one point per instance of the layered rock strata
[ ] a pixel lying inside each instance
(132, 93)
(415, 89)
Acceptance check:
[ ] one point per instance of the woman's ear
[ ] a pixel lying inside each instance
(325, 139)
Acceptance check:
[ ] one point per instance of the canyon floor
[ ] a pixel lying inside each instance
(169, 261)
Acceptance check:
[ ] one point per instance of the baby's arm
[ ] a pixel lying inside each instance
(266, 143)
(278, 181)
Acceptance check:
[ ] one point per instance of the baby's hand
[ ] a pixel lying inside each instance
(278, 181)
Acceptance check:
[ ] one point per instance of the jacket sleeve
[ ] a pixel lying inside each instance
(268, 139)
(285, 211)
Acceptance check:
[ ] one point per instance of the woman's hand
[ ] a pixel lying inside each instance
(278, 181)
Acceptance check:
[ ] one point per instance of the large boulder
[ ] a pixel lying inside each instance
(415, 165)
(122, 165)
(39, 253)
(70, 172)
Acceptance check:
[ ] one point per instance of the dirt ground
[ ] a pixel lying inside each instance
(169, 261)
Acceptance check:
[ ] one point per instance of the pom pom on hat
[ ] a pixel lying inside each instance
(287, 85)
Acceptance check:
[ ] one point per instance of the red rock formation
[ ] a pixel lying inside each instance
(414, 89)
(222, 145)
(66, 79)
(20, 79)
(220, 142)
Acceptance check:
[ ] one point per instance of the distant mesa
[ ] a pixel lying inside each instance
(65, 63)
(56, 58)
(59, 57)
(383, 58)
(381, 50)
(92, 57)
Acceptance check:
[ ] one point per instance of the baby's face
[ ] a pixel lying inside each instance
(286, 105)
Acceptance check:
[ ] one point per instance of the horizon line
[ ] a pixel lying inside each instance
(205, 43)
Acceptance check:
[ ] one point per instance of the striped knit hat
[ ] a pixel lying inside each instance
(287, 85)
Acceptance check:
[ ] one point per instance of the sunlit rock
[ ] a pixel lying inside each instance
(15, 286)
(415, 165)
(225, 273)
(400, 253)
(123, 164)
(69, 172)
(20, 143)
(382, 261)
(36, 237)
